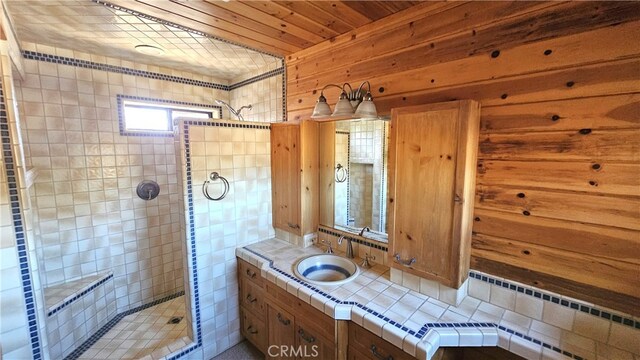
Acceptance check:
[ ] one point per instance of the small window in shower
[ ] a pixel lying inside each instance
(155, 117)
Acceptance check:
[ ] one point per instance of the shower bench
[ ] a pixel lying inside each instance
(76, 309)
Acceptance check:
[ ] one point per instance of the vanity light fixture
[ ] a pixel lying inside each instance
(356, 103)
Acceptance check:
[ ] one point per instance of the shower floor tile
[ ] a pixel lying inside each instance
(139, 334)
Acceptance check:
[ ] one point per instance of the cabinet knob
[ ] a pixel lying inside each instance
(249, 299)
(251, 330)
(402, 262)
(293, 226)
(374, 351)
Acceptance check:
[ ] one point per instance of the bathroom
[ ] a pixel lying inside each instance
(98, 263)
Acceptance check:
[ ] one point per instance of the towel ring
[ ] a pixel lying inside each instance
(341, 173)
(213, 177)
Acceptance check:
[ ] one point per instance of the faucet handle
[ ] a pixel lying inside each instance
(329, 248)
(365, 263)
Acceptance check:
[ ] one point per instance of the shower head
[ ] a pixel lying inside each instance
(232, 110)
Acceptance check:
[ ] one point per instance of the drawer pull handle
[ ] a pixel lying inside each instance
(309, 339)
(374, 351)
(283, 320)
(293, 226)
(251, 331)
(251, 274)
(406, 263)
(249, 299)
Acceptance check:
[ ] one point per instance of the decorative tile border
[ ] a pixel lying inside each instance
(120, 98)
(191, 223)
(113, 322)
(63, 60)
(79, 295)
(18, 227)
(257, 78)
(356, 240)
(592, 310)
(426, 328)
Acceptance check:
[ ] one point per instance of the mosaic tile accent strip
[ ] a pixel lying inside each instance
(32, 55)
(260, 77)
(284, 92)
(424, 330)
(18, 227)
(113, 322)
(592, 310)
(79, 295)
(120, 98)
(356, 240)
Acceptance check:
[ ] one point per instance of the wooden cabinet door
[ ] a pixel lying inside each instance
(432, 156)
(281, 329)
(310, 344)
(253, 329)
(285, 176)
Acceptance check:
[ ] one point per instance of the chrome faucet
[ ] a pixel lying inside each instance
(366, 228)
(234, 111)
(349, 245)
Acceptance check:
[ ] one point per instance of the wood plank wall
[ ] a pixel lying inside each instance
(558, 184)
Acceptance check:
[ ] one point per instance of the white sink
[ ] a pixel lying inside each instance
(325, 269)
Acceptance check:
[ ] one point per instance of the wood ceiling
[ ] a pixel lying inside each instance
(276, 27)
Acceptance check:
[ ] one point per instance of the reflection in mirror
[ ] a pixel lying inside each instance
(358, 185)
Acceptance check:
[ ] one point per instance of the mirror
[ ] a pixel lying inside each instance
(353, 175)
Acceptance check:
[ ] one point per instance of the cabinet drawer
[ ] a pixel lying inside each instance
(364, 344)
(249, 272)
(254, 329)
(321, 322)
(252, 298)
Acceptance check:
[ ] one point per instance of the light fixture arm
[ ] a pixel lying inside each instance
(328, 86)
(359, 93)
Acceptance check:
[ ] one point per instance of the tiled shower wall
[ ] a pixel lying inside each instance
(21, 295)
(89, 218)
(214, 229)
(266, 95)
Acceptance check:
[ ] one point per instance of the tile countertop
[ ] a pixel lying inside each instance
(411, 321)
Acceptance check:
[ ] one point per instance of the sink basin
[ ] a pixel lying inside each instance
(325, 269)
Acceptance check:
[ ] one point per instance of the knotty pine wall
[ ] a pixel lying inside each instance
(558, 184)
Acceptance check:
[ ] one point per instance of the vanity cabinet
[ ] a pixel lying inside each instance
(295, 323)
(252, 305)
(271, 316)
(294, 176)
(432, 168)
